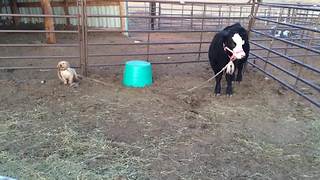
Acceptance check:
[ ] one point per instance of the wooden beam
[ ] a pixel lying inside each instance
(66, 12)
(123, 12)
(48, 21)
(15, 10)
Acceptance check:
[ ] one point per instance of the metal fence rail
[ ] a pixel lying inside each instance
(298, 73)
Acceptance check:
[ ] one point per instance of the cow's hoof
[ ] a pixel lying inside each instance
(229, 91)
(229, 95)
(217, 94)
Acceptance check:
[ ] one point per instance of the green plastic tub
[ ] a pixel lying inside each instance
(137, 74)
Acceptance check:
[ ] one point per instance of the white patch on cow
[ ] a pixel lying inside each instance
(278, 34)
(286, 33)
(238, 51)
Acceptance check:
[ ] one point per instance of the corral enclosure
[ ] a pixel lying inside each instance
(268, 130)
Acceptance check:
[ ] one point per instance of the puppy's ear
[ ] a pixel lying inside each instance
(58, 65)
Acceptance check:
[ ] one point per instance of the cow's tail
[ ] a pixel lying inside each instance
(230, 67)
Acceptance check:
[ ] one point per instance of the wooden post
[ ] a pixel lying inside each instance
(15, 10)
(152, 11)
(123, 12)
(253, 14)
(48, 21)
(66, 12)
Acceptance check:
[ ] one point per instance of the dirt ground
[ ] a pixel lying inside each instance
(107, 131)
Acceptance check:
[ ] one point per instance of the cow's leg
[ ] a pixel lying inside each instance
(217, 89)
(233, 76)
(239, 75)
(229, 84)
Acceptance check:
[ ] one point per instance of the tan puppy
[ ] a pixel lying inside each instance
(67, 74)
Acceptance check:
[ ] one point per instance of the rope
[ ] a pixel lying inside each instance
(196, 87)
(97, 81)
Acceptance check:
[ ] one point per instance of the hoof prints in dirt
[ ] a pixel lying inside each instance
(192, 101)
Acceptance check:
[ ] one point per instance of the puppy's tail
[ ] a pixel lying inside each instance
(79, 77)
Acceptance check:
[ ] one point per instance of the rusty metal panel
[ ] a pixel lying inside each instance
(97, 22)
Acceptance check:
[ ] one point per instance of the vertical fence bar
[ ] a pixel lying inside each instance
(306, 52)
(191, 14)
(159, 13)
(307, 20)
(286, 49)
(272, 41)
(288, 18)
(171, 15)
(294, 15)
(148, 47)
(83, 37)
(80, 38)
(241, 9)
(148, 34)
(220, 20)
(182, 12)
(202, 27)
(269, 14)
(146, 12)
(265, 14)
(229, 15)
(152, 12)
(253, 14)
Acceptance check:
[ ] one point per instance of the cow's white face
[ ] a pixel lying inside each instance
(237, 50)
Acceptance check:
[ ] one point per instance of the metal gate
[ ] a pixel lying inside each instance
(286, 39)
(19, 45)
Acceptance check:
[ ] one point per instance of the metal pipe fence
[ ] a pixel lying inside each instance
(298, 73)
(25, 59)
(295, 55)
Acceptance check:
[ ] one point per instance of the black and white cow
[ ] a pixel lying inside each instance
(230, 44)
